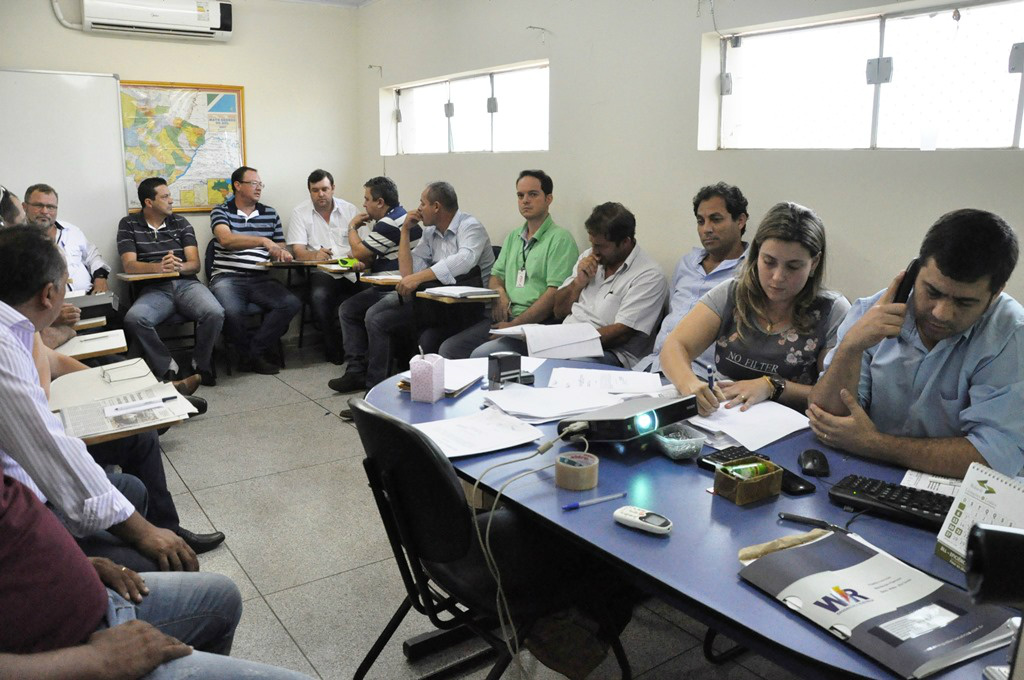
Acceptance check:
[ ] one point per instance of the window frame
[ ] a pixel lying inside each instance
(394, 95)
(882, 17)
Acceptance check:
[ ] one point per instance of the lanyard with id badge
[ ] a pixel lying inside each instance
(521, 274)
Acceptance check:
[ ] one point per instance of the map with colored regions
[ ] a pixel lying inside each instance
(192, 136)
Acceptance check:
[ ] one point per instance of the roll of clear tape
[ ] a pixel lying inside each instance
(576, 471)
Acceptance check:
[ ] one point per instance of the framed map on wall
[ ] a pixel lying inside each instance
(192, 135)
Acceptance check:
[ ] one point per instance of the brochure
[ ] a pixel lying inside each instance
(899, 616)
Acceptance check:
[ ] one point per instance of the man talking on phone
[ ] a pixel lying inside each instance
(934, 382)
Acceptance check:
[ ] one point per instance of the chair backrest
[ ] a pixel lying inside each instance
(415, 487)
(208, 259)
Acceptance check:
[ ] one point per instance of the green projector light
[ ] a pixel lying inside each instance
(646, 422)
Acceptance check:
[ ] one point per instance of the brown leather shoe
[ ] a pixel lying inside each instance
(188, 386)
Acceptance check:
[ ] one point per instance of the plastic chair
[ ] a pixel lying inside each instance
(430, 527)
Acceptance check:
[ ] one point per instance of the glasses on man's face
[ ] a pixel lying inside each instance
(52, 207)
(256, 184)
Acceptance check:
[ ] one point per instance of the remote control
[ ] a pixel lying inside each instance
(645, 520)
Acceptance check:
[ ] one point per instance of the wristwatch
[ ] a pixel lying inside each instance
(778, 385)
(100, 274)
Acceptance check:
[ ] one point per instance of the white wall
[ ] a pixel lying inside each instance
(295, 62)
(624, 77)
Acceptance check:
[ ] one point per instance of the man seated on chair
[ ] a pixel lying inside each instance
(248, 237)
(156, 241)
(615, 287)
(937, 382)
(721, 212)
(87, 271)
(377, 252)
(317, 231)
(533, 262)
(34, 448)
(453, 244)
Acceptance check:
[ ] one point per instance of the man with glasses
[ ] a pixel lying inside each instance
(35, 449)
(86, 269)
(248, 236)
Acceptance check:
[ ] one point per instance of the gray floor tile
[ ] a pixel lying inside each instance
(308, 373)
(174, 483)
(261, 637)
(247, 445)
(294, 527)
(244, 392)
(336, 620)
(692, 664)
(337, 401)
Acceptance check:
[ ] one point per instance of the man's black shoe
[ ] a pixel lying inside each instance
(200, 543)
(350, 382)
(346, 415)
(259, 365)
(199, 403)
(208, 378)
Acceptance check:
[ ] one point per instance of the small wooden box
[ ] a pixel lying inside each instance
(743, 491)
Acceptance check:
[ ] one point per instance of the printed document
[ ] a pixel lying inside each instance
(618, 382)
(483, 432)
(544, 404)
(758, 426)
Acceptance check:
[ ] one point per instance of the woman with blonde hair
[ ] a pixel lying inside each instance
(771, 326)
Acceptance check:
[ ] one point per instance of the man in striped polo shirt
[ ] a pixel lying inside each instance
(248, 236)
(156, 241)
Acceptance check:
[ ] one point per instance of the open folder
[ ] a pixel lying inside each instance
(559, 341)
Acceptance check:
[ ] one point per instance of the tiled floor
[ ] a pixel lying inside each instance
(273, 467)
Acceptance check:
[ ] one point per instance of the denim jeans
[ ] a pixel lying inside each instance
(189, 298)
(325, 294)
(236, 291)
(106, 544)
(352, 315)
(201, 610)
(390, 316)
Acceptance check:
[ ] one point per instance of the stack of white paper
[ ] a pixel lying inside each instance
(559, 341)
(488, 430)
(758, 426)
(544, 404)
(462, 292)
(618, 382)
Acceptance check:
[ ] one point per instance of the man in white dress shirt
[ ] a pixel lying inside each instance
(318, 231)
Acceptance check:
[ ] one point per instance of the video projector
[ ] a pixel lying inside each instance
(632, 419)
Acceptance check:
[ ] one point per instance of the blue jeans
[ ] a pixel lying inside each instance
(352, 315)
(236, 292)
(106, 544)
(391, 316)
(201, 610)
(325, 294)
(157, 303)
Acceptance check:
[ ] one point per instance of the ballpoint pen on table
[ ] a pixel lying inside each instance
(592, 501)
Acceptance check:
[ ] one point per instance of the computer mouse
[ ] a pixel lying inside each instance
(813, 463)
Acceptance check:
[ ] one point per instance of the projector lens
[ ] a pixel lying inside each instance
(646, 422)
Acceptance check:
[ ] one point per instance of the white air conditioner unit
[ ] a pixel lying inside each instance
(188, 19)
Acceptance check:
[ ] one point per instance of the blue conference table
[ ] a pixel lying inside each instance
(695, 568)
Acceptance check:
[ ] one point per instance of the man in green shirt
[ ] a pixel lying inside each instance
(533, 263)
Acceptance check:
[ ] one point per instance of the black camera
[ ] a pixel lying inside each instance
(994, 558)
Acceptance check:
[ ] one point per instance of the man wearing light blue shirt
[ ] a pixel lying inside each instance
(721, 212)
(937, 383)
(452, 245)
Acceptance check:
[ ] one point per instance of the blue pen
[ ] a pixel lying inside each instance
(711, 378)
(592, 501)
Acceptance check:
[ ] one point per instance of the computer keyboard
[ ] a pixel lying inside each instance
(901, 503)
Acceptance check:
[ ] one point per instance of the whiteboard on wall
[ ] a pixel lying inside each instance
(64, 129)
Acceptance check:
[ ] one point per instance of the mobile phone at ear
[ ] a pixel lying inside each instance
(903, 292)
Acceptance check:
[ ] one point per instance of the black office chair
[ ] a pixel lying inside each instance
(431, 529)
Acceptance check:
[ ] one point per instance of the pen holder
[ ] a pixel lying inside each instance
(426, 377)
